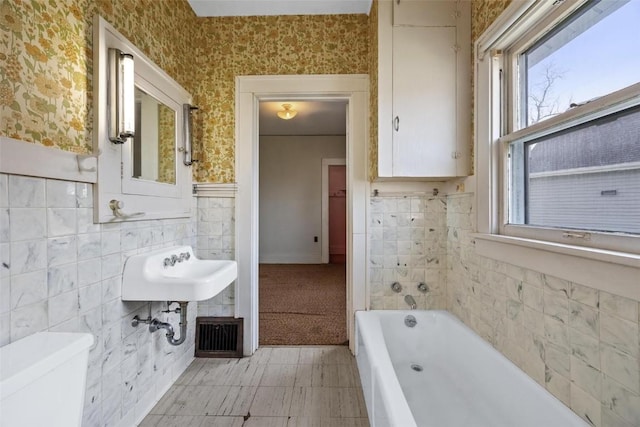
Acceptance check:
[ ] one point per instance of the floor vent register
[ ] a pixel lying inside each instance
(218, 337)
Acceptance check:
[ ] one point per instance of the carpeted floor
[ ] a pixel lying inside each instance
(302, 304)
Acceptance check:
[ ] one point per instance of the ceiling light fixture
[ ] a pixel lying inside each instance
(287, 113)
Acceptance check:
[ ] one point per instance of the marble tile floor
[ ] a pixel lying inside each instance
(308, 386)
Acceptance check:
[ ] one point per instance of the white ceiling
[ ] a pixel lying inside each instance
(314, 118)
(278, 7)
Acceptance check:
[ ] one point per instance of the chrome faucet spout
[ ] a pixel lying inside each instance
(409, 300)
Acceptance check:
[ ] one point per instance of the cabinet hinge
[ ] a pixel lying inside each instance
(456, 154)
(121, 170)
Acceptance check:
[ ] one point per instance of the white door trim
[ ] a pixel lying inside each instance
(325, 204)
(353, 88)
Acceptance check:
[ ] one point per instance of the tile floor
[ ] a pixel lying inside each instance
(276, 387)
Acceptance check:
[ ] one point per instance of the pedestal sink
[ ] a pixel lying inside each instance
(175, 274)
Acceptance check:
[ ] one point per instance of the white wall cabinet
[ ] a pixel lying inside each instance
(424, 88)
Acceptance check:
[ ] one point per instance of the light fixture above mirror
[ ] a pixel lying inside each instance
(287, 112)
(122, 106)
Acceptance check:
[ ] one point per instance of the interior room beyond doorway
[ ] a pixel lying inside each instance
(302, 223)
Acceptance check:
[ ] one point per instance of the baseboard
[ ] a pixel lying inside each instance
(290, 259)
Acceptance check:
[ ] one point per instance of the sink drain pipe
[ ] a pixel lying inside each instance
(155, 324)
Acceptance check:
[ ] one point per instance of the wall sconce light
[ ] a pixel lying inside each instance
(122, 122)
(187, 109)
(287, 113)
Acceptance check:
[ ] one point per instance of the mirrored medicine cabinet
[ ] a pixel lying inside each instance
(147, 175)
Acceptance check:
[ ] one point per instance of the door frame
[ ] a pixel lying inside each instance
(325, 204)
(250, 90)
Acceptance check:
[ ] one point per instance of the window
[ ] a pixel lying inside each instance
(569, 133)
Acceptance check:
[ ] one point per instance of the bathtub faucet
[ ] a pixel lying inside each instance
(409, 300)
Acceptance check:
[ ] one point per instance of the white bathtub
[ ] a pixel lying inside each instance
(464, 381)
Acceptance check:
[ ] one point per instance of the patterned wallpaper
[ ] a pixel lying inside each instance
(373, 91)
(46, 64)
(483, 13)
(166, 144)
(237, 46)
(45, 74)
(46, 61)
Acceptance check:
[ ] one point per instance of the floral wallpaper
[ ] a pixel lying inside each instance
(166, 144)
(236, 46)
(46, 61)
(46, 64)
(483, 13)
(43, 81)
(373, 91)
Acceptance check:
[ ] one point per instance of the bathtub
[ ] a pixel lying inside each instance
(440, 373)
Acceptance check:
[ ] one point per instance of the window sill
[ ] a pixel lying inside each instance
(614, 272)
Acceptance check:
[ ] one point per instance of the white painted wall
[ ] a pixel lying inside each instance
(291, 196)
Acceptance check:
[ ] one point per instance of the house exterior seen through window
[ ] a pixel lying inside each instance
(573, 144)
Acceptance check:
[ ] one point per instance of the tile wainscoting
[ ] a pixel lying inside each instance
(408, 245)
(580, 343)
(216, 240)
(61, 272)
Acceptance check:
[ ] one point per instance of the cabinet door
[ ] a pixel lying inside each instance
(424, 101)
(425, 13)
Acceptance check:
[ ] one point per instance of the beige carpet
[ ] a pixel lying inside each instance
(302, 304)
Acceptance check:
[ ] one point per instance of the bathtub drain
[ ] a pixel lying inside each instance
(416, 367)
(410, 321)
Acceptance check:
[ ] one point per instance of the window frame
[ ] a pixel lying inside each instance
(533, 25)
(613, 271)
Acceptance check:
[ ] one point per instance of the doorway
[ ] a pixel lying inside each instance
(302, 298)
(249, 91)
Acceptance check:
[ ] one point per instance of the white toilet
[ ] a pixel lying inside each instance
(42, 380)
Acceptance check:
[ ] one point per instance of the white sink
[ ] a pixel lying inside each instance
(152, 277)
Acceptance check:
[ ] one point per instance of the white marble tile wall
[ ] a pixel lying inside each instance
(61, 272)
(216, 240)
(580, 343)
(408, 244)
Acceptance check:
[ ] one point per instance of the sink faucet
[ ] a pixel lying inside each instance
(171, 261)
(409, 300)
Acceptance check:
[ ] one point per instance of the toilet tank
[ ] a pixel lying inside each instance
(42, 380)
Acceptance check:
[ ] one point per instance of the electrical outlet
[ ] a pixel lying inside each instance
(315, 239)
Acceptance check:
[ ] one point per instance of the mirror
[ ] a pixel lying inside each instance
(145, 176)
(154, 155)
